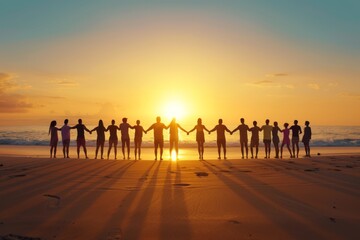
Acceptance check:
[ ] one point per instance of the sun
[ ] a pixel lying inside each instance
(174, 109)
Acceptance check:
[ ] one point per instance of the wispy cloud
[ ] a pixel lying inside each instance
(277, 75)
(11, 102)
(314, 86)
(350, 94)
(64, 83)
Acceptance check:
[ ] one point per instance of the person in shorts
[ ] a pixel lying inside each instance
(65, 136)
(275, 138)
(254, 139)
(113, 139)
(139, 130)
(267, 129)
(80, 139)
(220, 140)
(286, 139)
(306, 138)
(125, 137)
(243, 129)
(158, 128)
(296, 131)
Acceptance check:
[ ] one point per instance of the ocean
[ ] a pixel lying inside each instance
(326, 136)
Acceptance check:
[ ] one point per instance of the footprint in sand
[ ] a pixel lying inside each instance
(19, 175)
(234, 221)
(201, 174)
(17, 237)
(312, 170)
(54, 201)
(332, 219)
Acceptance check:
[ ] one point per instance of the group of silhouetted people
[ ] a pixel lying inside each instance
(270, 134)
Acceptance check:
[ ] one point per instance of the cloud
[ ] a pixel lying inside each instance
(11, 102)
(264, 82)
(350, 94)
(314, 86)
(64, 83)
(277, 75)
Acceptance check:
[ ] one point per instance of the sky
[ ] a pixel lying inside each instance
(276, 59)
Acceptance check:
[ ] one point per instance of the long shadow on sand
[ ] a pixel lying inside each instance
(275, 205)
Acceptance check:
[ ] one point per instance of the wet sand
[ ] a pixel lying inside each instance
(305, 198)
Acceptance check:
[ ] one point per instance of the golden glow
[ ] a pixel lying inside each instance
(173, 156)
(174, 109)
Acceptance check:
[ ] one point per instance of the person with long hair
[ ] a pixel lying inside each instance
(200, 137)
(100, 140)
(53, 138)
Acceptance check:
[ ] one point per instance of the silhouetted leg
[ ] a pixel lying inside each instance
(242, 149)
(97, 149)
(246, 149)
(155, 151)
(199, 149)
(252, 151)
(224, 147)
(177, 148)
(128, 148)
(257, 151)
(78, 151)
(102, 150)
(85, 151)
(108, 155)
(219, 149)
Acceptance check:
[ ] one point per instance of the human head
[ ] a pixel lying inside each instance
(158, 119)
(113, 122)
(199, 121)
(53, 123)
(80, 121)
(267, 121)
(137, 122)
(173, 120)
(307, 123)
(220, 121)
(295, 122)
(255, 123)
(275, 124)
(101, 124)
(286, 125)
(66, 121)
(124, 120)
(242, 120)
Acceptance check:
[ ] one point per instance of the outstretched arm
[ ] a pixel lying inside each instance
(191, 130)
(94, 129)
(234, 130)
(86, 129)
(212, 130)
(150, 128)
(226, 129)
(182, 128)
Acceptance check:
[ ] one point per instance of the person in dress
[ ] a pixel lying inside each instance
(200, 137)
(53, 138)
(286, 139)
(100, 140)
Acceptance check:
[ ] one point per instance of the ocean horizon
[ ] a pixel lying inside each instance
(327, 136)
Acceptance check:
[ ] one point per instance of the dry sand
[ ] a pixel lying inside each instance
(307, 198)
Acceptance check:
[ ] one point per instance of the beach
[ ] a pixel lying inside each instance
(304, 198)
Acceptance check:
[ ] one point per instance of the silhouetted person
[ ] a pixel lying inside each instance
(80, 140)
(158, 128)
(53, 138)
(65, 135)
(296, 131)
(221, 140)
(113, 138)
(200, 137)
(243, 129)
(306, 138)
(254, 139)
(138, 138)
(275, 138)
(125, 137)
(286, 139)
(174, 136)
(267, 137)
(100, 140)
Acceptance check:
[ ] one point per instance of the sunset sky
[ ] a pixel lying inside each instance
(107, 59)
